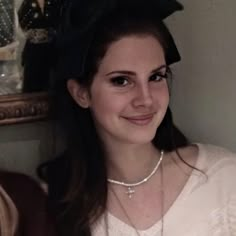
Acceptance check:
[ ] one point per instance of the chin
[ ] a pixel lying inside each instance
(136, 138)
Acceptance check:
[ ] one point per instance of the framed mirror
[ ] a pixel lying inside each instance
(27, 30)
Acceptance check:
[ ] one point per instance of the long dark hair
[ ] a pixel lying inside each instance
(77, 179)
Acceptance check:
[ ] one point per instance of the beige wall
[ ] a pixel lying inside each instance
(204, 88)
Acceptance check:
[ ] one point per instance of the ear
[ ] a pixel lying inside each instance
(79, 93)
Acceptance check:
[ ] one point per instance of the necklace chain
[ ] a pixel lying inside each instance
(127, 215)
(125, 212)
(130, 191)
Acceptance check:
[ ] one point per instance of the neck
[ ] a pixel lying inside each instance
(131, 163)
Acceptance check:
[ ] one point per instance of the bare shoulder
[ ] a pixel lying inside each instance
(185, 155)
(189, 153)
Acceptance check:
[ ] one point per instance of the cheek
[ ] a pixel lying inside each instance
(104, 104)
(161, 96)
(166, 94)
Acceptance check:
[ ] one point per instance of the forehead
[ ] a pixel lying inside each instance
(132, 51)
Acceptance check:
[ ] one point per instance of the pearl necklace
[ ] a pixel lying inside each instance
(130, 186)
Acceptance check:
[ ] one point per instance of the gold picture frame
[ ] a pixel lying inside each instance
(20, 108)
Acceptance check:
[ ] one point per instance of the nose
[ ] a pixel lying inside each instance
(143, 96)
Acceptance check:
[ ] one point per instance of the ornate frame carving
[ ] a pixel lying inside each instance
(19, 108)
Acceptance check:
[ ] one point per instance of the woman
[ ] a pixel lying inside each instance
(8, 214)
(23, 207)
(127, 169)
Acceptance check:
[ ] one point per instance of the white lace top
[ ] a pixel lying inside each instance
(205, 207)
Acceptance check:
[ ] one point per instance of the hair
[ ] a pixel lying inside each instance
(8, 215)
(78, 178)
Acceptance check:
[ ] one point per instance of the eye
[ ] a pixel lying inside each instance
(119, 81)
(159, 76)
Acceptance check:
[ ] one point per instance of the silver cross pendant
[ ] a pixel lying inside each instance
(130, 192)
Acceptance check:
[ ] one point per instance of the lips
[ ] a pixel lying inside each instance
(140, 120)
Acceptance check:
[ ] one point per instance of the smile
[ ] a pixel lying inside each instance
(140, 120)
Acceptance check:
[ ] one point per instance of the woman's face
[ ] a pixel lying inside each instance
(129, 94)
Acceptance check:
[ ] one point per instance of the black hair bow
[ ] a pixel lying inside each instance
(80, 21)
(84, 13)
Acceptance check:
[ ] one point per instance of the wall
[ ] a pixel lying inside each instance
(204, 96)
(24, 146)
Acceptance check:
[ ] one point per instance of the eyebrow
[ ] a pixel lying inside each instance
(127, 72)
